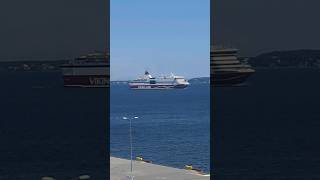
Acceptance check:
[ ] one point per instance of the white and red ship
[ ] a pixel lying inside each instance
(91, 70)
(163, 82)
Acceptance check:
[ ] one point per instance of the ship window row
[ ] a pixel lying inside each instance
(222, 53)
(231, 66)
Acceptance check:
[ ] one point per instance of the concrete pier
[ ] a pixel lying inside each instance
(120, 170)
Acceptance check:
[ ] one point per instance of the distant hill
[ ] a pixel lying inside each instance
(118, 82)
(294, 58)
(200, 80)
(31, 65)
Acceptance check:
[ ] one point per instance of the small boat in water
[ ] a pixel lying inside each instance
(162, 82)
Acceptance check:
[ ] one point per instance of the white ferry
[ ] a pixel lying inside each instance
(162, 82)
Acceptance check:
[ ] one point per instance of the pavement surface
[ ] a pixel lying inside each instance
(120, 170)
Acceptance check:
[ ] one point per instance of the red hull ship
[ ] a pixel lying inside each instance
(91, 70)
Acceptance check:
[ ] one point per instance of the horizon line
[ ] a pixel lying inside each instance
(187, 78)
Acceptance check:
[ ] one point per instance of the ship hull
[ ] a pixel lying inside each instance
(156, 86)
(229, 78)
(86, 76)
(86, 81)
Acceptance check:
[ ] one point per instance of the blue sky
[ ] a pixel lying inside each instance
(161, 36)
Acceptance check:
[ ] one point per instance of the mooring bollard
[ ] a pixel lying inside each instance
(188, 167)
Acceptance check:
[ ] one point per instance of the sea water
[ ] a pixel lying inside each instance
(173, 127)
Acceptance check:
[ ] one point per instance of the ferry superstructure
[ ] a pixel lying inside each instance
(226, 68)
(91, 70)
(162, 82)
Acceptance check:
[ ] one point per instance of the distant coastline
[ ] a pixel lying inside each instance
(305, 58)
(286, 59)
(32, 65)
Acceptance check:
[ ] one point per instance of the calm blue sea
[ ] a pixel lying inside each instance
(173, 128)
(48, 130)
(269, 129)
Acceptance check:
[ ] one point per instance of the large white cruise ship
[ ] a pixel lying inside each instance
(91, 70)
(226, 68)
(163, 82)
